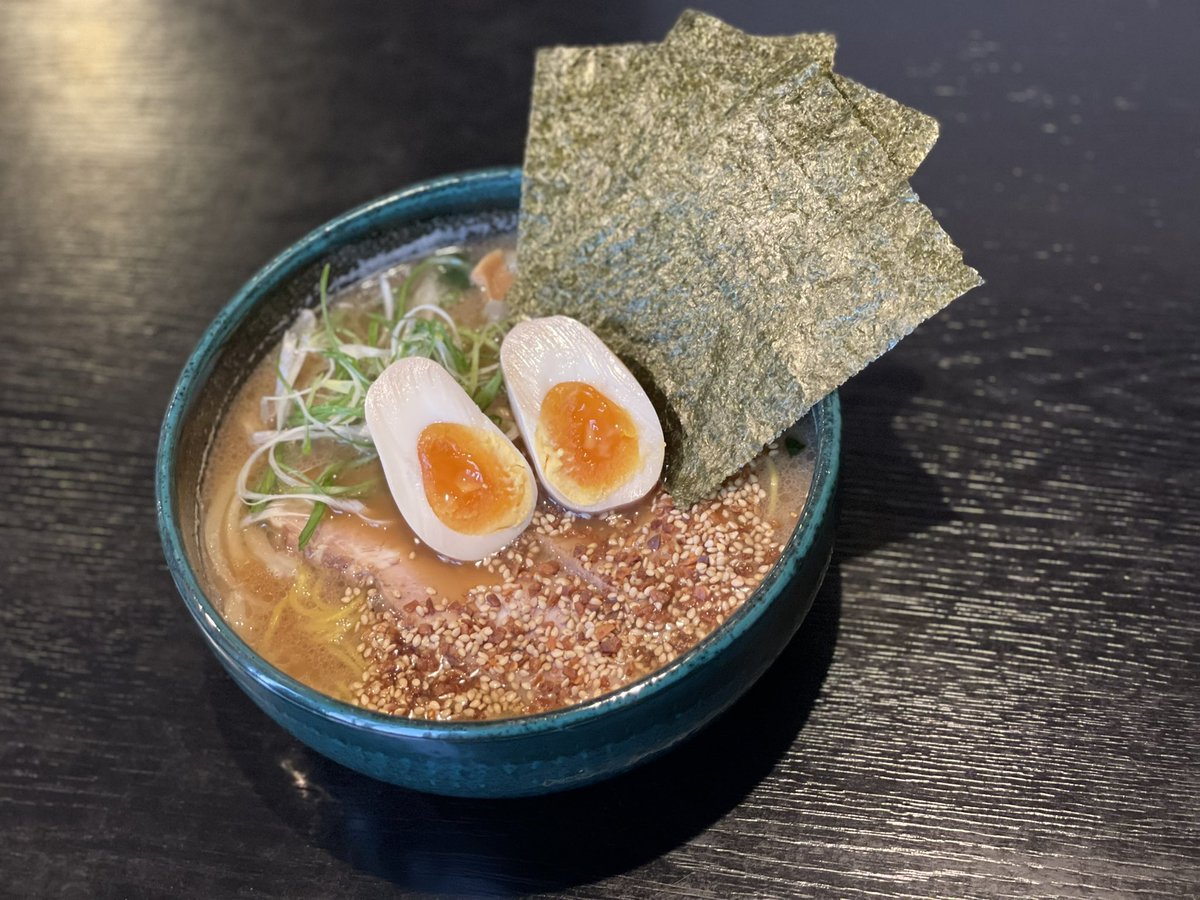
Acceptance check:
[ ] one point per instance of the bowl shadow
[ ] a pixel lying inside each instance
(885, 494)
(426, 843)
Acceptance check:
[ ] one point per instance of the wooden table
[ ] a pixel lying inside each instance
(998, 690)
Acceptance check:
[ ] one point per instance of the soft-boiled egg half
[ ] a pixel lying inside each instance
(594, 437)
(461, 485)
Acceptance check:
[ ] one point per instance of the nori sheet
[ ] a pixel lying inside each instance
(598, 113)
(747, 243)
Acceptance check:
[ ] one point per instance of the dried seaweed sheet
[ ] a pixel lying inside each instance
(773, 252)
(595, 108)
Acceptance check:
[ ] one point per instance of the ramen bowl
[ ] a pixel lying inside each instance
(519, 756)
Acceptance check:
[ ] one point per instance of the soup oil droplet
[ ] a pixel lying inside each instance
(472, 481)
(588, 441)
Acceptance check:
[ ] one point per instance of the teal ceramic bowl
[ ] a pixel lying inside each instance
(503, 758)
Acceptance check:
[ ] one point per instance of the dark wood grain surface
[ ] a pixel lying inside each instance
(998, 691)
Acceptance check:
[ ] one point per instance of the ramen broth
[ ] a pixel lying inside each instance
(575, 607)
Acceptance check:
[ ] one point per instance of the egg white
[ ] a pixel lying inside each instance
(536, 355)
(410, 395)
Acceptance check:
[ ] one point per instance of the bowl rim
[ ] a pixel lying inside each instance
(224, 639)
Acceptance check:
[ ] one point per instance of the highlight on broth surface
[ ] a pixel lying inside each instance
(313, 561)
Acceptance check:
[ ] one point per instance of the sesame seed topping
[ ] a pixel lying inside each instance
(572, 609)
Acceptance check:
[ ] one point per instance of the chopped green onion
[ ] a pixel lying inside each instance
(444, 264)
(794, 447)
(456, 277)
(487, 394)
(325, 401)
(310, 526)
(457, 359)
(323, 286)
(266, 483)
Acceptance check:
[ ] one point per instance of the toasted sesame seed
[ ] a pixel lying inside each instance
(609, 605)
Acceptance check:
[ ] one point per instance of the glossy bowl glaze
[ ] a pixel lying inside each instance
(502, 758)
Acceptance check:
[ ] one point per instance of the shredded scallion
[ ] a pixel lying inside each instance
(326, 368)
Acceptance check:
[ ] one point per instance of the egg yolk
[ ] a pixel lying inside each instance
(588, 442)
(474, 482)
